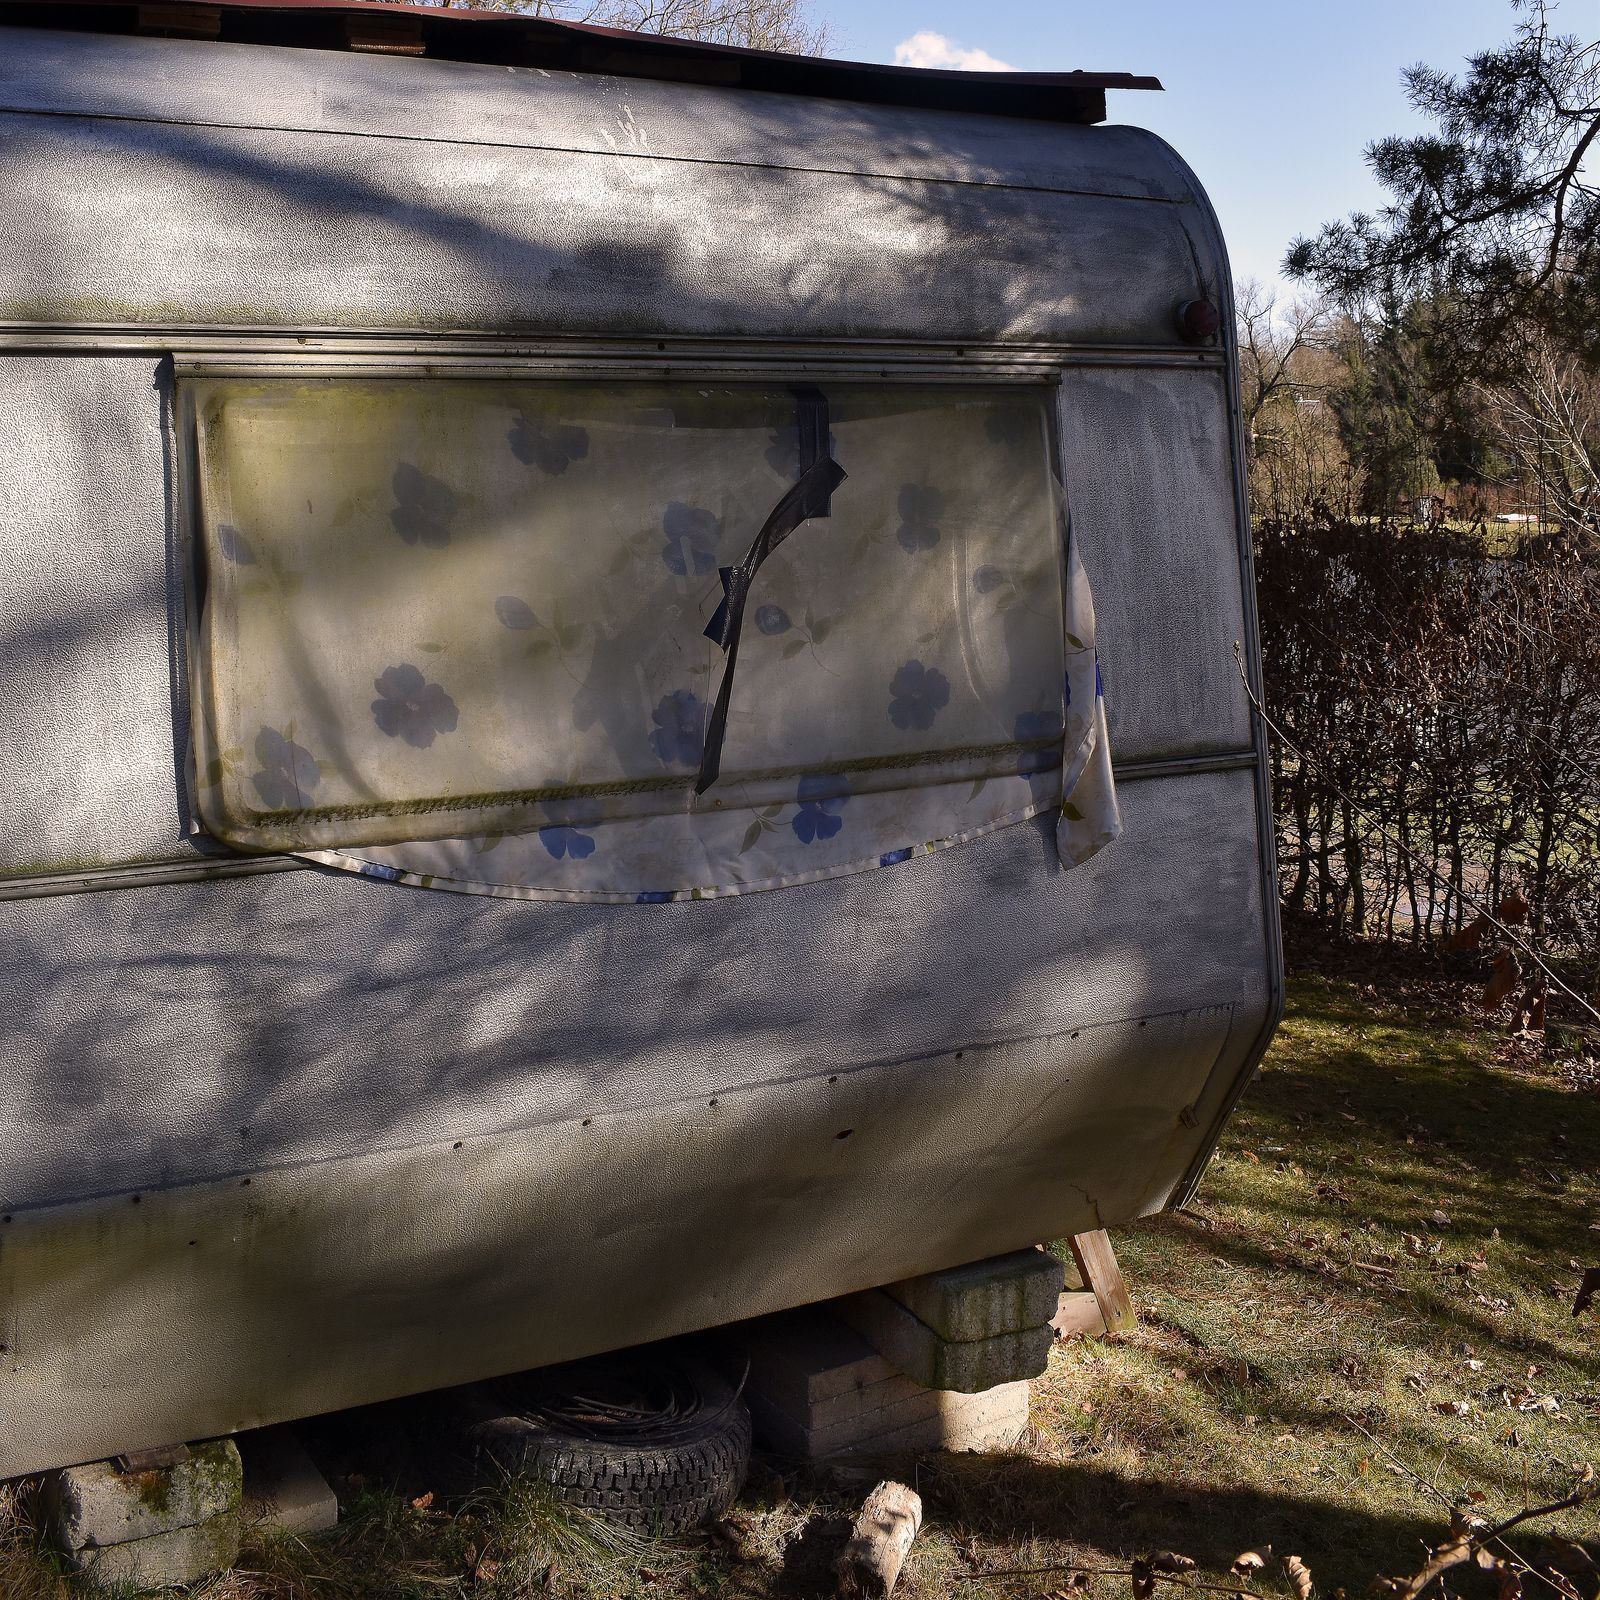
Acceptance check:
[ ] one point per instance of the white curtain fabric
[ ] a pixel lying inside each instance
(453, 632)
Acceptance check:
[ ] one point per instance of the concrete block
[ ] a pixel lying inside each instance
(804, 1436)
(163, 1560)
(984, 1299)
(807, 1357)
(946, 1421)
(98, 1504)
(995, 1420)
(283, 1490)
(882, 1396)
(858, 1404)
(918, 1352)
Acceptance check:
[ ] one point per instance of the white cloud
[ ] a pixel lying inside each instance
(930, 49)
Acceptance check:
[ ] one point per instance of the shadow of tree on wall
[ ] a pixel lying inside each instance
(253, 1026)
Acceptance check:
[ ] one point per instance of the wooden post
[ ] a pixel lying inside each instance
(1097, 1261)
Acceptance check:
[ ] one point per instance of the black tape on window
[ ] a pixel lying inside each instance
(811, 496)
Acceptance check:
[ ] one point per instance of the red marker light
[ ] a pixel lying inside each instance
(1198, 320)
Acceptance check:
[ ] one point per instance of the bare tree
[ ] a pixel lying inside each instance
(784, 25)
(1287, 367)
(1271, 336)
(1545, 417)
(754, 24)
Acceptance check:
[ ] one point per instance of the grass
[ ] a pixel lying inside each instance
(1365, 1318)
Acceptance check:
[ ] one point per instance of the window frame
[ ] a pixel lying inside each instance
(969, 367)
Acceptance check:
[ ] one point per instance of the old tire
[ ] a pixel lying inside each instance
(658, 1442)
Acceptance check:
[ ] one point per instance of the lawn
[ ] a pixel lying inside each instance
(1364, 1319)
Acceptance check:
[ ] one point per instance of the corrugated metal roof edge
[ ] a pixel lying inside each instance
(514, 39)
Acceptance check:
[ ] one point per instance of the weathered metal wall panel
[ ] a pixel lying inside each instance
(86, 682)
(685, 224)
(1148, 463)
(383, 1139)
(164, 1035)
(181, 226)
(244, 86)
(436, 1165)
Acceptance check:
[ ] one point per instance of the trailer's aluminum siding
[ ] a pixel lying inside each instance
(275, 1143)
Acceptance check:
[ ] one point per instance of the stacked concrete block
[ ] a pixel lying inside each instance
(148, 1529)
(969, 1328)
(817, 1389)
(984, 1299)
(283, 1490)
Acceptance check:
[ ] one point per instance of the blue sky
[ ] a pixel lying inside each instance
(1271, 104)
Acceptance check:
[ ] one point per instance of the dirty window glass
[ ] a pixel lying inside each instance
(435, 607)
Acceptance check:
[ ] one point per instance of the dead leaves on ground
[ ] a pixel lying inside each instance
(1471, 1540)
(1587, 1290)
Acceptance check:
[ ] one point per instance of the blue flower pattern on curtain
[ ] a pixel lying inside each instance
(917, 694)
(411, 708)
(424, 507)
(692, 538)
(679, 720)
(417, 707)
(821, 809)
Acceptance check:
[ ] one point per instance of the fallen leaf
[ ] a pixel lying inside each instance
(1587, 1290)
(1170, 1561)
(1249, 1561)
(1504, 976)
(423, 1501)
(1299, 1576)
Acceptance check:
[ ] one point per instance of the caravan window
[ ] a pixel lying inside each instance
(439, 609)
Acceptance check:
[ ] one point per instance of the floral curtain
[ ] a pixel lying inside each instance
(454, 632)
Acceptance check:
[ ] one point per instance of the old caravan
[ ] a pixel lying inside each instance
(619, 701)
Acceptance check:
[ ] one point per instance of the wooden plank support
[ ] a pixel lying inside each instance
(181, 21)
(385, 35)
(1097, 1261)
(1078, 1313)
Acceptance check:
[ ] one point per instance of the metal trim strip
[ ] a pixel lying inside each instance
(1251, 647)
(144, 875)
(216, 351)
